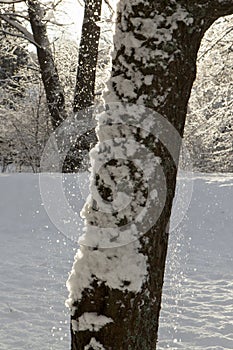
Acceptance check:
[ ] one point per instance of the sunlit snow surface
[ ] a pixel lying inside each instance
(197, 310)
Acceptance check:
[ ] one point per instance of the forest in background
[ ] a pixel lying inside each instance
(25, 117)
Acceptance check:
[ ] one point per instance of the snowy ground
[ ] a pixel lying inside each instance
(197, 308)
(197, 311)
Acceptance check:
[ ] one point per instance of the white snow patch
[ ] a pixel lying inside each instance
(101, 226)
(110, 266)
(125, 87)
(94, 345)
(74, 325)
(92, 321)
(34, 265)
(181, 15)
(148, 79)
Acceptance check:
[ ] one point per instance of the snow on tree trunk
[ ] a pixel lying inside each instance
(115, 285)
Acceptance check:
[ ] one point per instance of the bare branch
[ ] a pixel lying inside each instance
(109, 6)
(16, 15)
(26, 34)
(9, 2)
(13, 34)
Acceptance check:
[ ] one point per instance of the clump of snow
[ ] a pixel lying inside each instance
(157, 28)
(116, 133)
(113, 267)
(92, 321)
(125, 87)
(123, 266)
(181, 15)
(74, 325)
(94, 345)
(148, 79)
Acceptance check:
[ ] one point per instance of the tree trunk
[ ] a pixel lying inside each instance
(53, 88)
(84, 94)
(88, 55)
(116, 282)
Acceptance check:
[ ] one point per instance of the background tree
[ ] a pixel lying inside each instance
(84, 93)
(55, 94)
(210, 103)
(24, 122)
(88, 56)
(209, 128)
(49, 73)
(115, 294)
(25, 126)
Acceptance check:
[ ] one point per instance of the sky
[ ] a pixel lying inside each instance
(68, 12)
(71, 12)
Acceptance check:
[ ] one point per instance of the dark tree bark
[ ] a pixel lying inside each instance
(158, 40)
(84, 94)
(53, 88)
(88, 55)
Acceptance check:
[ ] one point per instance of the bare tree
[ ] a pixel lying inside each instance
(24, 118)
(209, 128)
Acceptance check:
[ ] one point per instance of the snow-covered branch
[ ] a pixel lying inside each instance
(9, 2)
(26, 34)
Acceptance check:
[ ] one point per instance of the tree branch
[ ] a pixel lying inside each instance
(26, 34)
(9, 2)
